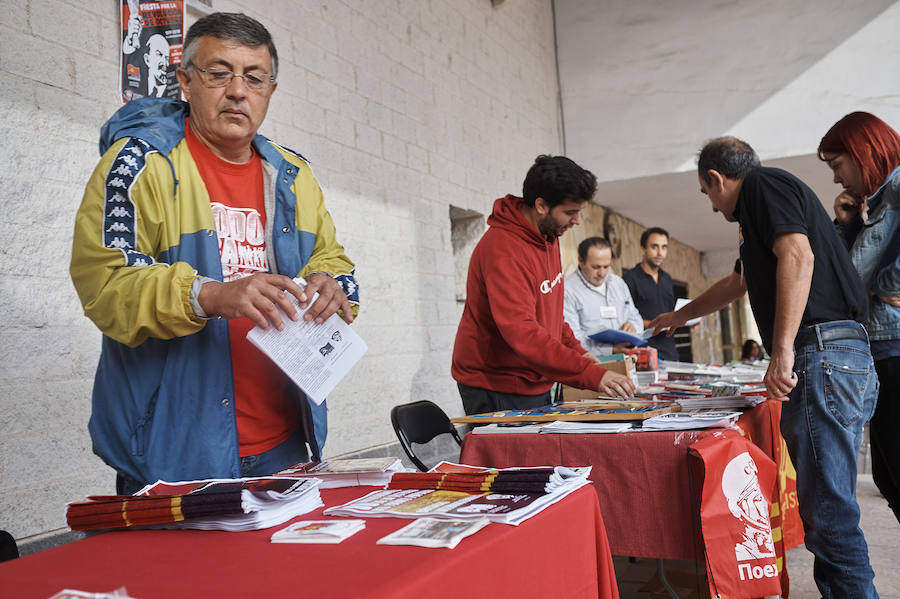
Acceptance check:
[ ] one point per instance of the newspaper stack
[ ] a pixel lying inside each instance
(679, 421)
(348, 472)
(723, 389)
(499, 428)
(564, 426)
(432, 532)
(433, 499)
(719, 403)
(646, 377)
(213, 504)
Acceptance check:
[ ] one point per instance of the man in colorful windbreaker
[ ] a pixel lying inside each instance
(190, 232)
(512, 343)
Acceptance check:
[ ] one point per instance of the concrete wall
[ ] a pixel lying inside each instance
(404, 107)
(645, 83)
(675, 74)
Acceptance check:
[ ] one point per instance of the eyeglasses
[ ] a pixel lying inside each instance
(222, 77)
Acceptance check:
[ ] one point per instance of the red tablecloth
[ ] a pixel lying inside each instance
(641, 478)
(561, 552)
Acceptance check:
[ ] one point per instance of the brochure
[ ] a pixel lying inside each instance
(318, 531)
(432, 532)
(680, 303)
(315, 356)
(505, 507)
(449, 505)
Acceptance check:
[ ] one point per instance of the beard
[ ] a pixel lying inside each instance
(550, 229)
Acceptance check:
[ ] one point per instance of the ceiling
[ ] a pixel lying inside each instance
(644, 83)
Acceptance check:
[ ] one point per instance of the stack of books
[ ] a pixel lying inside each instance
(212, 504)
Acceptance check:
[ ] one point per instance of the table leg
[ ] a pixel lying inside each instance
(661, 572)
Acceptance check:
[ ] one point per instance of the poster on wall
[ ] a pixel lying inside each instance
(152, 39)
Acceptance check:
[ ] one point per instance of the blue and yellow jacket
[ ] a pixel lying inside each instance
(163, 398)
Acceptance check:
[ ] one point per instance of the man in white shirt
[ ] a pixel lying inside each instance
(597, 299)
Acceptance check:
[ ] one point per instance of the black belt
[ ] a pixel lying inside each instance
(808, 335)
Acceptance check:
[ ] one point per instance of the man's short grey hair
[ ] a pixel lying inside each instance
(231, 26)
(585, 246)
(729, 156)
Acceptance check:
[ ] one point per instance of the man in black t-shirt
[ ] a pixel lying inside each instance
(808, 302)
(651, 287)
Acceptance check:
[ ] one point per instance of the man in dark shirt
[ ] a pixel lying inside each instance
(651, 287)
(808, 302)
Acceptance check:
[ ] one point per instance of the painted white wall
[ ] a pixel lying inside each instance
(404, 107)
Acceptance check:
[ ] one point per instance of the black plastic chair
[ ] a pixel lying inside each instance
(8, 548)
(420, 422)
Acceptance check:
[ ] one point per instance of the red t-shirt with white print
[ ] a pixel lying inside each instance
(266, 414)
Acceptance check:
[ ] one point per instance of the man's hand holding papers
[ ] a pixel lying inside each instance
(315, 356)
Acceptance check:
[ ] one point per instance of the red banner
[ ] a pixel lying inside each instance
(743, 558)
(785, 512)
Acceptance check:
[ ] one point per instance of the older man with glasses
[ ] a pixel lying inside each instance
(191, 231)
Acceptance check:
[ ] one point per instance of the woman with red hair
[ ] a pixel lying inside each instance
(864, 153)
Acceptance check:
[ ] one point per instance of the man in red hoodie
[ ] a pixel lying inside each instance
(513, 343)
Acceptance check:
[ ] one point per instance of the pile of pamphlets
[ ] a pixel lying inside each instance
(736, 373)
(563, 426)
(348, 472)
(714, 394)
(432, 499)
(677, 421)
(318, 531)
(432, 532)
(508, 427)
(475, 479)
(646, 377)
(719, 403)
(212, 504)
(120, 593)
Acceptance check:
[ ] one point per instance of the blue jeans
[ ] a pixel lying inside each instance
(822, 425)
(287, 453)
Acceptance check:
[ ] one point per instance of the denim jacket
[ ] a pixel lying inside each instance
(875, 252)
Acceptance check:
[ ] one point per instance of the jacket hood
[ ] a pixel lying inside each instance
(507, 215)
(158, 121)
